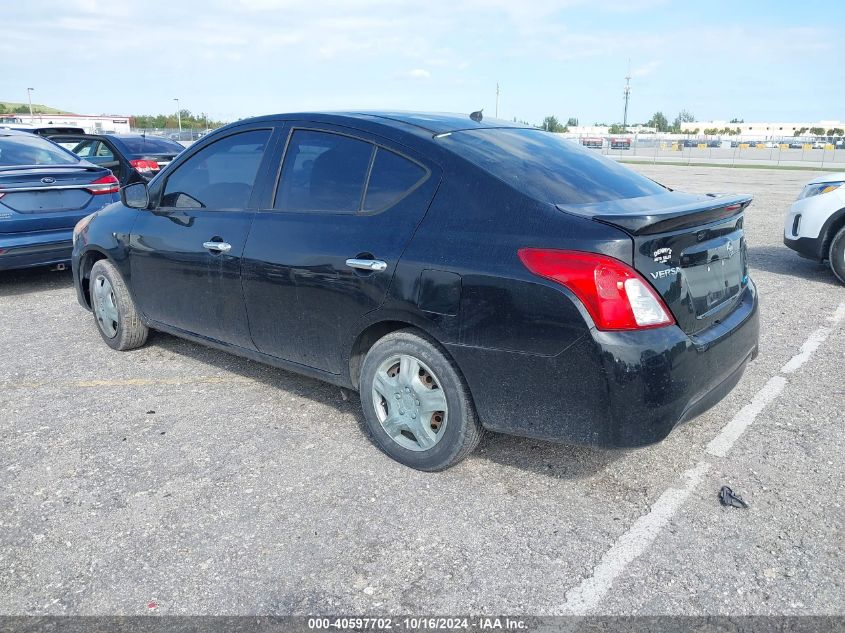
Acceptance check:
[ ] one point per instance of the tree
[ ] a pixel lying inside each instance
(684, 116)
(737, 120)
(801, 131)
(817, 131)
(838, 131)
(551, 124)
(573, 121)
(659, 121)
(616, 129)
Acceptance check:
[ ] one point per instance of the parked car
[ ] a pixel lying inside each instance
(131, 157)
(594, 142)
(815, 224)
(459, 274)
(44, 191)
(43, 130)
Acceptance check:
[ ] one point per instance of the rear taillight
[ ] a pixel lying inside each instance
(106, 184)
(615, 295)
(144, 166)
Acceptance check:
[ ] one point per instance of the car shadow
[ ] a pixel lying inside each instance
(31, 280)
(783, 261)
(559, 461)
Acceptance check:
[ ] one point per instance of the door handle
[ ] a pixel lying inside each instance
(367, 264)
(220, 247)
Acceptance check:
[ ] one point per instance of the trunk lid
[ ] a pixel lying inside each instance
(44, 197)
(690, 248)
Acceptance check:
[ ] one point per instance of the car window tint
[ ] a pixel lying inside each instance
(323, 172)
(83, 149)
(150, 145)
(29, 149)
(219, 176)
(391, 178)
(548, 167)
(103, 151)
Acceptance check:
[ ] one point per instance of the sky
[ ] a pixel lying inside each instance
(758, 61)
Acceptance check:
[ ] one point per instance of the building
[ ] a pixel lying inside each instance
(763, 131)
(92, 124)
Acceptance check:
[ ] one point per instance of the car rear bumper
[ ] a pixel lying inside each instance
(41, 248)
(613, 389)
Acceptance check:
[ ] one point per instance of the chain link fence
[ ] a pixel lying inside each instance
(811, 153)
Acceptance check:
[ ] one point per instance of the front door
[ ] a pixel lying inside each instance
(324, 252)
(186, 252)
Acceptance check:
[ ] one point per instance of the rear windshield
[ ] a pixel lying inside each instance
(548, 167)
(141, 145)
(29, 149)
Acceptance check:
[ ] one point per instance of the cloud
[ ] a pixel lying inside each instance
(417, 73)
(645, 70)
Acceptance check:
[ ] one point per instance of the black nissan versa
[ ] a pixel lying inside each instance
(459, 274)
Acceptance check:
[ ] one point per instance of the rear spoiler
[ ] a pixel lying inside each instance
(82, 166)
(660, 214)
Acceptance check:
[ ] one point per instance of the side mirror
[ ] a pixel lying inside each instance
(135, 196)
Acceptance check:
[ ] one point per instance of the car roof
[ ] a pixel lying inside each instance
(8, 131)
(421, 123)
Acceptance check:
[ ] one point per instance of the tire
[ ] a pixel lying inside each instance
(409, 386)
(837, 254)
(117, 319)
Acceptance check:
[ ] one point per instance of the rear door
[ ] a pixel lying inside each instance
(186, 251)
(325, 244)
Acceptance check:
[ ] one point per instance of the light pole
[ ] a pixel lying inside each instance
(178, 116)
(29, 94)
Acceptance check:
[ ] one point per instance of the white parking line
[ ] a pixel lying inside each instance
(722, 443)
(813, 342)
(586, 596)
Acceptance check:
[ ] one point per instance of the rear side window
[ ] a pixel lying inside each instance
(29, 149)
(547, 167)
(323, 172)
(219, 176)
(391, 178)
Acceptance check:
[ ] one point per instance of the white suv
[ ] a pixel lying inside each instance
(815, 224)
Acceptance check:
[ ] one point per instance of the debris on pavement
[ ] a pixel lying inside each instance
(728, 497)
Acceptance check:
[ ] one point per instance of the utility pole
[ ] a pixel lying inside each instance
(29, 94)
(627, 93)
(178, 116)
(497, 99)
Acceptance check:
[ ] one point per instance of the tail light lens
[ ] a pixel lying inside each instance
(143, 165)
(614, 294)
(106, 184)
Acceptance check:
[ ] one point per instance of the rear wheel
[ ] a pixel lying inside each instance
(117, 318)
(416, 405)
(837, 254)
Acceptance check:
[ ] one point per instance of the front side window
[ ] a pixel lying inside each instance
(219, 176)
(323, 172)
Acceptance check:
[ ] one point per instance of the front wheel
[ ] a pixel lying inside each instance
(117, 318)
(837, 254)
(417, 408)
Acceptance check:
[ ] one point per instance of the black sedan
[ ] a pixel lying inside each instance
(461, 275)
(131, 157)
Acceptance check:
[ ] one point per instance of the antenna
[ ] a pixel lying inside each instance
(627, 93)
(497, 99)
